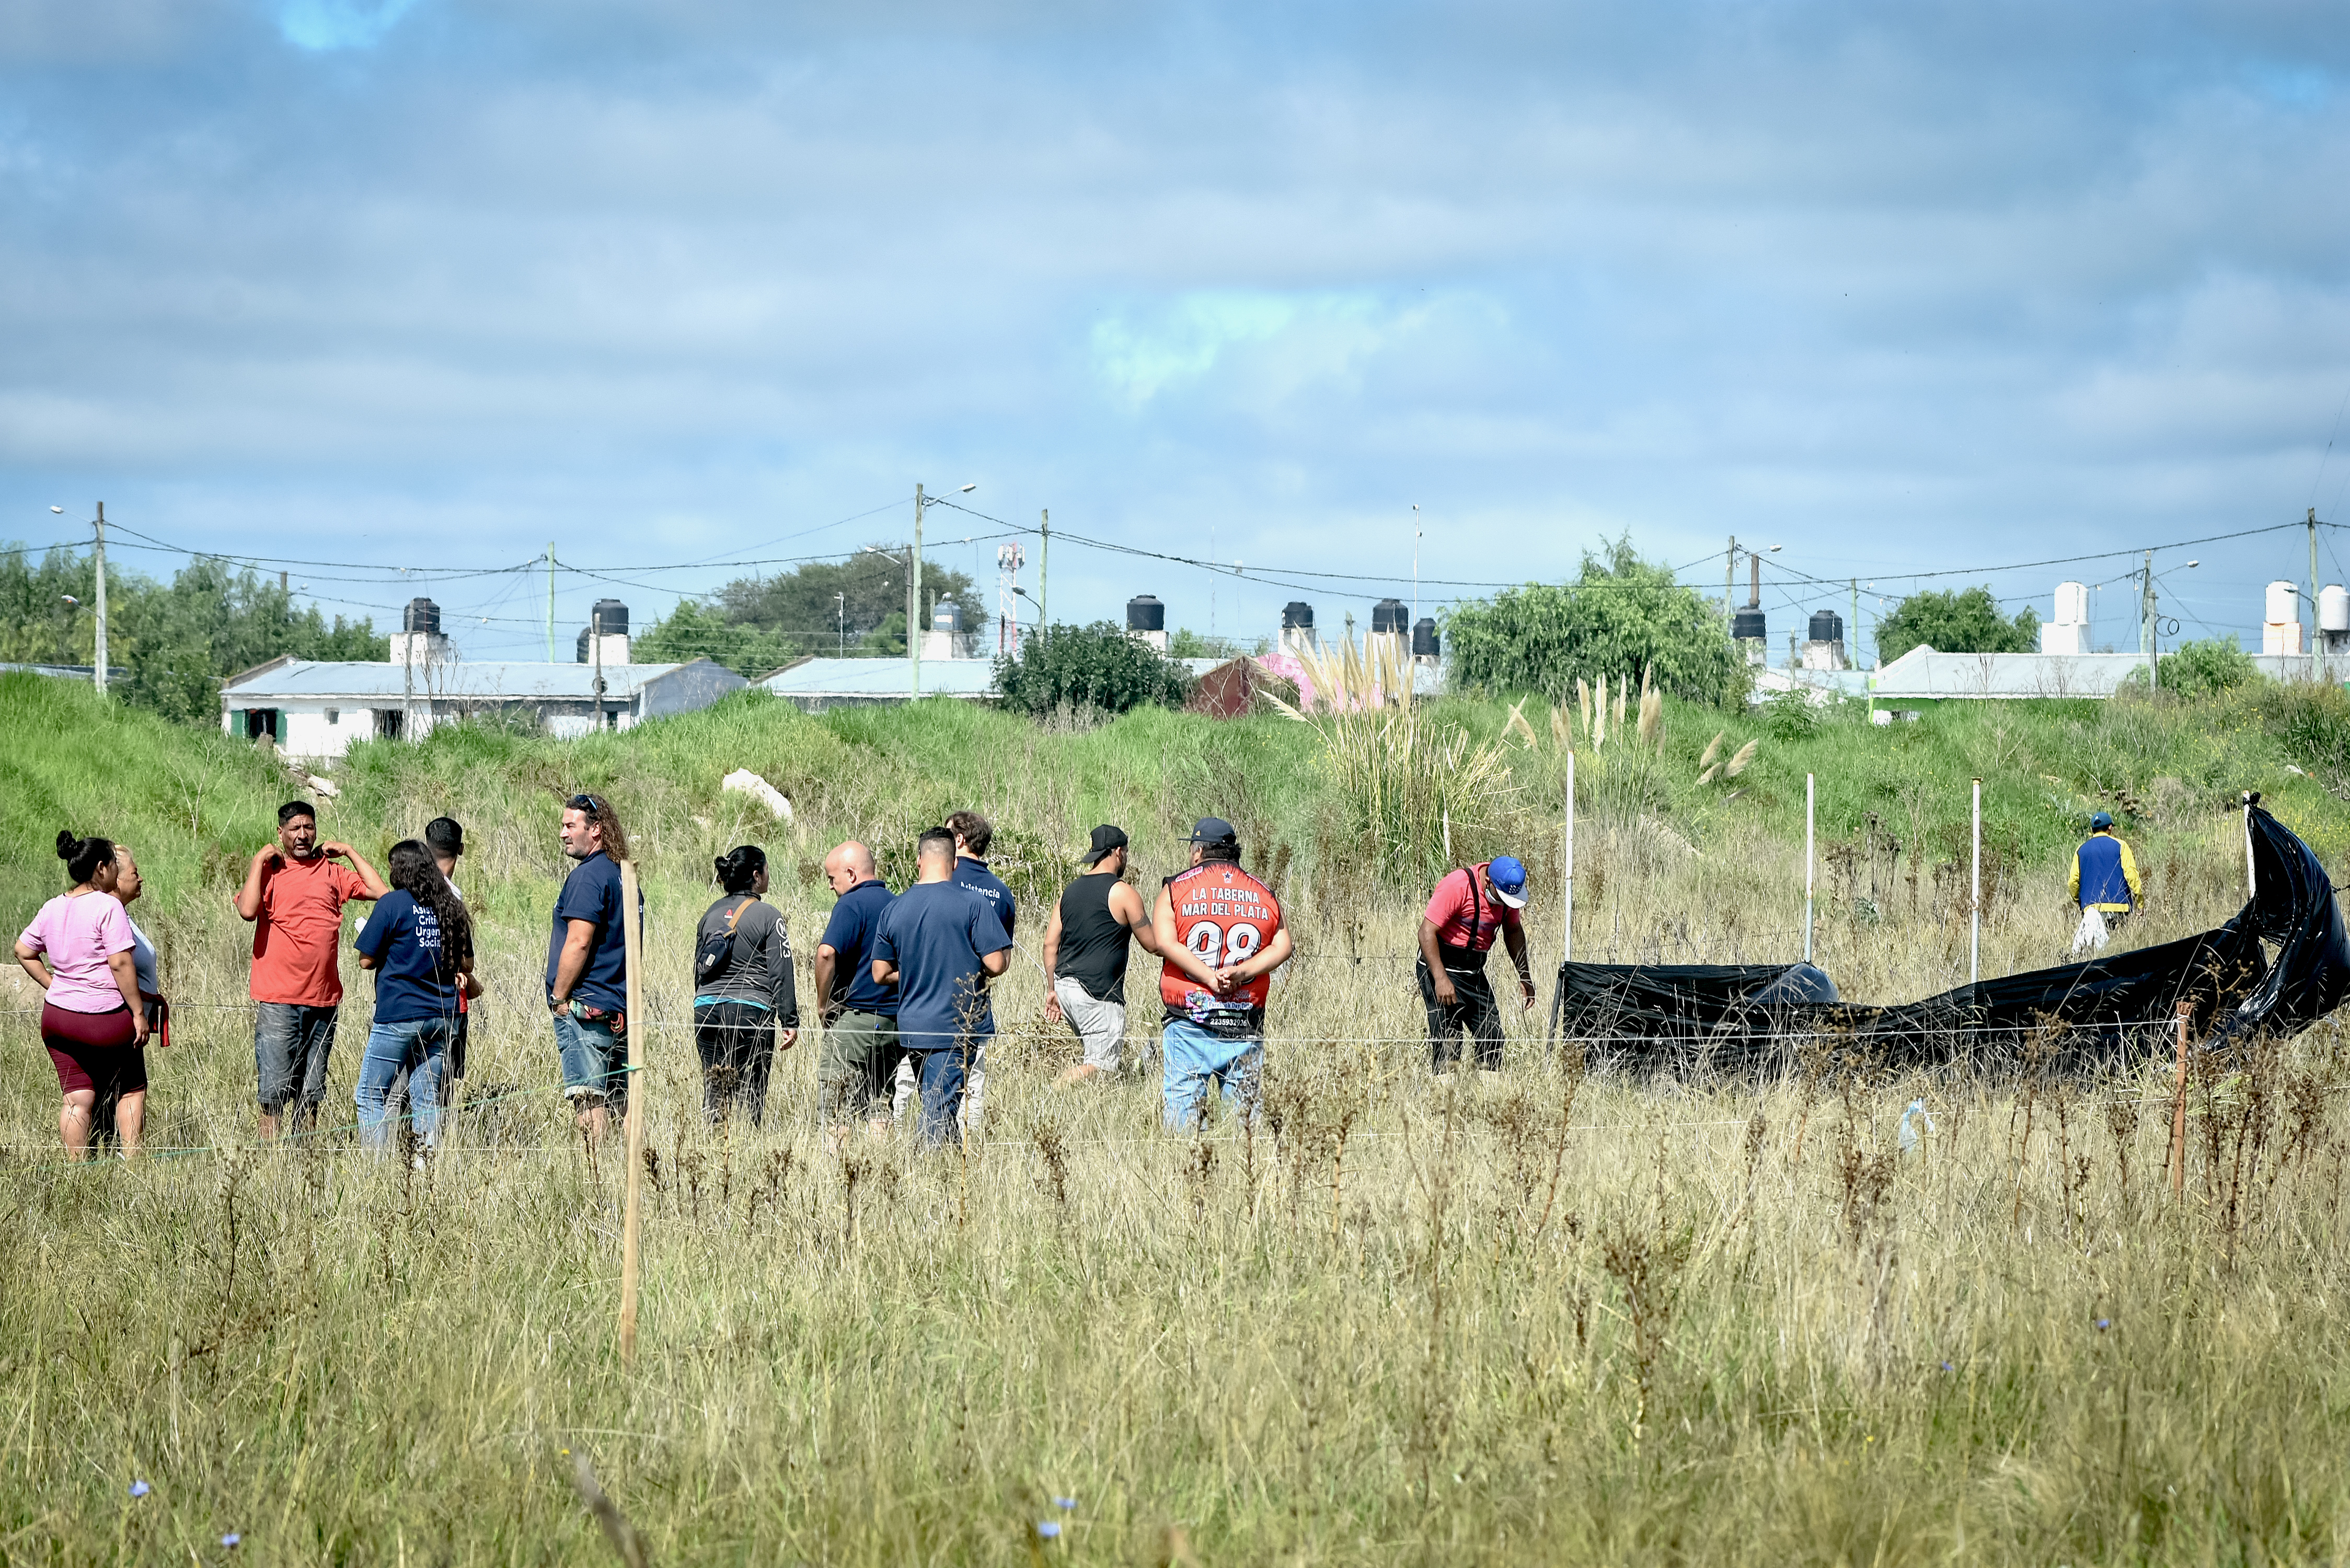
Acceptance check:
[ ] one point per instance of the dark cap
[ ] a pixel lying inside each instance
(1214, 830)
(445, 835)
(2100, 822)
(1105, 838)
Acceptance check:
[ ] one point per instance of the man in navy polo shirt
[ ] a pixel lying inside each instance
(587, 966)
(939, 944)
(861, 1052)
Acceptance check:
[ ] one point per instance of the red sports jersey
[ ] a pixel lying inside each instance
(1224, 916)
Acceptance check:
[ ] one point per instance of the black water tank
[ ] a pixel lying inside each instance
(1423, 637)
(1390, 616)
(1297, 616)
(610, 616)
(421, 614)
(1826, 626)
(1747, 623)
(1145, 613)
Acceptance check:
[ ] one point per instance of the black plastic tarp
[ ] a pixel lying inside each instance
(1733, 1017)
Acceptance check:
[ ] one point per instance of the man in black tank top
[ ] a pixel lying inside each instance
(1086, 952)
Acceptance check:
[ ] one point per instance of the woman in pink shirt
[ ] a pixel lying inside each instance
(93, 1020)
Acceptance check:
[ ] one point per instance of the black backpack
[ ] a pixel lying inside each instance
(717, 953)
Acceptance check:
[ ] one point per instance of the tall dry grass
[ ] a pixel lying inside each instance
(1554, 1314)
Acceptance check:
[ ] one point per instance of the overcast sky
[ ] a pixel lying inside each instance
(431, 283)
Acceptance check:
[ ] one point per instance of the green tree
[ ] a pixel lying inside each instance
(694, 630)
(175, 642)
(1620, 616)
(855, 606)
(1096, 666)
(1955, 621)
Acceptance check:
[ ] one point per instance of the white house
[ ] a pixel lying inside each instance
(314, 708)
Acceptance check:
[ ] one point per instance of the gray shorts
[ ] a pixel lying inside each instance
(1100, 1025)
(861, 1059)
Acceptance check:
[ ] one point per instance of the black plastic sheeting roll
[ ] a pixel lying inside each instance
(1693, 1018)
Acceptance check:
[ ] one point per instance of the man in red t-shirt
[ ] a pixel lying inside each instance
(294, 894)
(1456, 932)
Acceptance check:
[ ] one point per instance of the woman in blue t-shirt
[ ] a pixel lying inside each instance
(421, 946)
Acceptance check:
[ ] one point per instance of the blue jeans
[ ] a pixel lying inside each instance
(422, 1046)
(595, 1061)
(1197, 1062)
(941, 1075)
(291, 1044)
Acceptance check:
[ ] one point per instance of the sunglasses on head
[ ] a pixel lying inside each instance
(587, 802)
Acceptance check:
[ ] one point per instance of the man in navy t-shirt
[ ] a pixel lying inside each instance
(862, 1052)
(586, 965)
(940, 944)
(973, 833)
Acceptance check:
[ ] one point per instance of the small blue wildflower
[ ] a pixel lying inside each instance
(140, 1489)
(2104, 1324)
(231, 1540)
(1948, 1368)
(1065, 1504)
(1050, 1529)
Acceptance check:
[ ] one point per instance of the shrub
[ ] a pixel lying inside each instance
(2212, 664)
(1622, 615)
(1096, 666)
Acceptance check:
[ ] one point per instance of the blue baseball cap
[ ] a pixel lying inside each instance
(1509, 879)
(2102, 820)
(1214, 830)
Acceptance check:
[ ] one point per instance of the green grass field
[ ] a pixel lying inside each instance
(1555, 1313)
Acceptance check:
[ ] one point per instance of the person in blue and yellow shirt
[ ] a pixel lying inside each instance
(2104, 874)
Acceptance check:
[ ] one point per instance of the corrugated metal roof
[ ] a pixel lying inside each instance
(1922, 672)
(881, 679)
(455, 680)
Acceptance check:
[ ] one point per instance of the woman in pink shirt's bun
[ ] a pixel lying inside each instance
(93, 1020)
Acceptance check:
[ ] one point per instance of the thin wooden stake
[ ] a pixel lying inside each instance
(1974, 916)
(631, 1227)
(1566, 938)
(1810, 798)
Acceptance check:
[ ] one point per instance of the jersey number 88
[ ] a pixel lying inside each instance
(1216, 948)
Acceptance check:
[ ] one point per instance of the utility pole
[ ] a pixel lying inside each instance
(1852, 648)
(97, 557)
(840, 621)
(1729, 577)
(595, 651)
(2313, 583)
(1043, 568)
(2146, 605)
(550, 601)
(914, 601)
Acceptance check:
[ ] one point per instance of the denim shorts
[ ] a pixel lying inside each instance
(291, 1044)
(595, 1063)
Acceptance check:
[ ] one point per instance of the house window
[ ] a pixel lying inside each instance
(334, 715)
(387, 723)
(260, 722)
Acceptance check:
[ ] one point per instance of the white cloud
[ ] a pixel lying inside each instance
(325, 25)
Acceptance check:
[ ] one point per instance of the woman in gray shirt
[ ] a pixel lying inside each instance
(742, 989)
